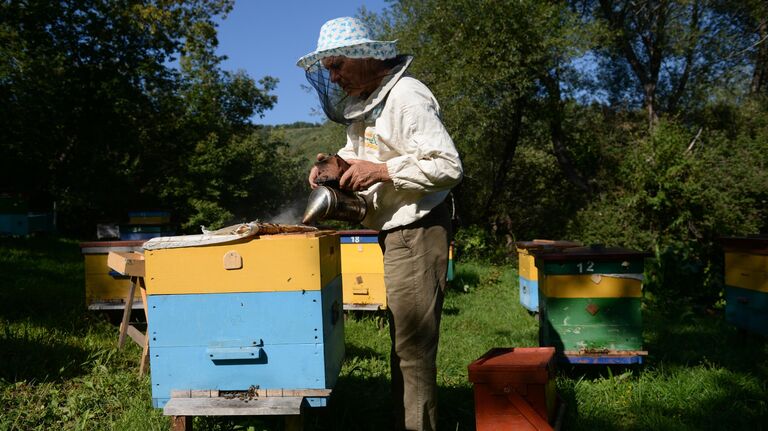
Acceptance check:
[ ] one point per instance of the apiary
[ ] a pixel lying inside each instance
(528, 275)
(255, 312)
(106, 289)
(746, 283)
(590, 302)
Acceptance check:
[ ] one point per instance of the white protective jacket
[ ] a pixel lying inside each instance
(421, 158)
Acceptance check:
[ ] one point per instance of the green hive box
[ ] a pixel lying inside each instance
(589, 301)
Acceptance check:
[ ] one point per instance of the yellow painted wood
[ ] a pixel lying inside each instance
(737, 261)
(361, 258)
(589, 286)
(96, 264)
(104, 288)
(362, 270)
(752, 280)
(362, 288)
(527, 265)
(271, 263)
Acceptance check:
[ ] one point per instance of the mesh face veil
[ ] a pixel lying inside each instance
(346, 107)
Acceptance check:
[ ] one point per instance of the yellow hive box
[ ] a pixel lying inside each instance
(104, 288)
(268, 263)
(362, 269)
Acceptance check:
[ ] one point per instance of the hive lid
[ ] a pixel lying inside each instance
(593, 251)
(92, 244)
(538, 244)
(755, 244)
(228, 234)
(358, 232)
(515, 363)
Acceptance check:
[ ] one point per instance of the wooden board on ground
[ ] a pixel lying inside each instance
(233, 407)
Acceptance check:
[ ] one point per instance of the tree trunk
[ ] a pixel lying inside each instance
(510, 145)
(759, 82)
(557, 135)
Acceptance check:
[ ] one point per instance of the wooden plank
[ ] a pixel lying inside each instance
(608, 353)
(233, 407)
(126, 314)
(144, 362)
(126, 263)
(362, 307)
(136, 335)
(181, 393)
(528, 412)
(306, 392)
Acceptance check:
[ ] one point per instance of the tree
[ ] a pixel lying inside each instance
(491, 64)
(666, 55)
(92, 112)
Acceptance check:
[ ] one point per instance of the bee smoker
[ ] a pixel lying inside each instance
(328, 201)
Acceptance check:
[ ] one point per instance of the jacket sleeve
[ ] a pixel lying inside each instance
(349, 151)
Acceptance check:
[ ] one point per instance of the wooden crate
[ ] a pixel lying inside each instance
(514, 389)
(263, 312)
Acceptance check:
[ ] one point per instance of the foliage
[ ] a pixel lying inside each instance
(474, 242)
(485, 62)
(95, 117)
(680, 191)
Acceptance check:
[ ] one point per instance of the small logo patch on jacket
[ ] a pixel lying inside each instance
(370, 138)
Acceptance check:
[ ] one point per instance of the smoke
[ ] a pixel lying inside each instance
(290, 213)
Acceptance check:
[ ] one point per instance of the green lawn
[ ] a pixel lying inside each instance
(61, 369)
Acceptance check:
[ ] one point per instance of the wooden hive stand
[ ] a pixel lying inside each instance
(131, 264)
(289, 403)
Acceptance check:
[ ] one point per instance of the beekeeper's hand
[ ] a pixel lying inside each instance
(314, 171)
(363, 174)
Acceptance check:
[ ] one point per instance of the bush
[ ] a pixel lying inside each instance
(677, 192)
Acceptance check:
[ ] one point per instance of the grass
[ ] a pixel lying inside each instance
(61, 369)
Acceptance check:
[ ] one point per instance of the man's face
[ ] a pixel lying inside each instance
(354, 75)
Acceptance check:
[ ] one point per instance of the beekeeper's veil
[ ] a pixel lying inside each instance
(351, 38)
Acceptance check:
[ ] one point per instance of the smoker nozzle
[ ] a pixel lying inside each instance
(330, 203)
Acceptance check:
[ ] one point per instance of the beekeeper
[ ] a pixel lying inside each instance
(404, 163)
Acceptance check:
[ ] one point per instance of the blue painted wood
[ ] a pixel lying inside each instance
(359, 239)
(747, 309)
(529, 294)
(231, 341)
(605, 360)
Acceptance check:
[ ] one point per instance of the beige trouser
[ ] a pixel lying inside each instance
(415, 267)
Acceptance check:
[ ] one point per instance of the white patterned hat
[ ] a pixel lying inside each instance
(348, 37)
